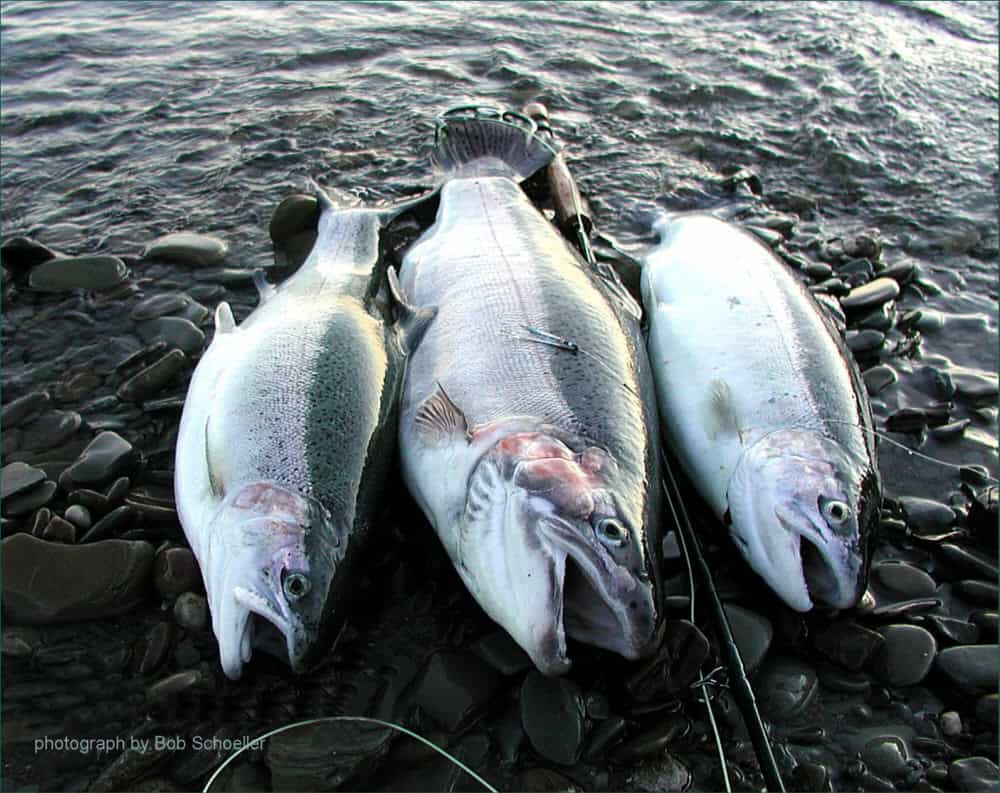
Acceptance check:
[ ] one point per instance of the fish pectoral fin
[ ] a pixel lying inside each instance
(721, 412)
(215, 459)
(413, 321)
(224, 322)
(438, 418)
(265, 289)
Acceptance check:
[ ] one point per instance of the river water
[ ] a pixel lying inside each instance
(124, 121)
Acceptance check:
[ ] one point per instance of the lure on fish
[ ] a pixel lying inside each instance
(528, 431)
(763, 406)
(287, 433)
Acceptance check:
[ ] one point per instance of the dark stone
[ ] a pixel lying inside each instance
(78, 272)
(27, 502)
(596, 705)
(904, 579)
(951, 431)
(900, 271)
(811, 778)
(117, 490)
(862, 342)
(785, 687)
(46, 582)
(986, 623)
(865, 245)
(153, 378)
(174, 685)
(874, 293)
(653, 742)
(818, 271)
(20, 253)
(177, 332)
(154, 649)
(159, 306)
(837, 679)
(59, 530)
(501, 652)
(986, 710)
(967, 560)
(185, 247)
(175, 570)
(455, 688)
(976, 475)
(752, 632)
(296, 213)
(769, 237)
(675, 665)
(552, 715)
(191, 611)
(79, 516)
(982, 593)
(971, 668)
(42, 518)
(17, 478)
(107, 456)
(50, 430)
(24, 409)
(952, 631)
(544, 780)
(973, 773)
(886, 755)
(115, 522)
(925, 514)
(878, 378)
(975, 388)
(906, 657)
(916, 420)
(905, 609)
(849, 644)
(605, 735)
(982, 520)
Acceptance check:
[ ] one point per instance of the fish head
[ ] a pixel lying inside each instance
(273, 565)
(548, 552)
(799, 508)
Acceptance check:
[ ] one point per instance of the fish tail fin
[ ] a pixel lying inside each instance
(489, 144)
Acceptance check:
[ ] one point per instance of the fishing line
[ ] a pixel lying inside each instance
(389, 724)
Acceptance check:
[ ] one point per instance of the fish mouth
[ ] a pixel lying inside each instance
(259, 608)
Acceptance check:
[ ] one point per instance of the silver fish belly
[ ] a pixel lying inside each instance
(764, 408)
(287, 433)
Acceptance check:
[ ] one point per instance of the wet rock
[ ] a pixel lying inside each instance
(175, 570)
(173, 686)
(864, 342)
(19, 642)
(296, 213)
(901, 271)
(116, 522)
(986, 710)
(952, 631)
(20, 253)
(753, 634)
(951, 431)
(117, 490)
(973, 773)
(597, 705)
(975, 388)
(501, 652)
(818, 271)
(967, 560)
(629, 109)
(769, 237)
(17, 478)
(904, 579)
(832, 286)
(545, 780)
(881, 319)
(191, 611)
(785, 687)
(159, 306)
(971, 668)
(983, 593)
(184, 247)
(552, 715)
(153, 378)
(27, 502)
(865, 245)
(916, 419)
(79, 516)
(886, 755)
(78, 272)
(59, 530)
(154, 649)
(874, 293)
(925, 515)
(23, 409)
(42, 518)
(675, 665)
(907, 655)
(982, 520)
(878, 378)
(974, 474)
(454, 688)
(950, 723)
(653, 741)
(107, 456)
(986, 623)
(177, 332)
(837, 679)
(45, 582)
(811, 778)
(50, 430)
(849, 644)
(605, 735)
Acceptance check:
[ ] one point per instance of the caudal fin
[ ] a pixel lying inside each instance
(487, 145)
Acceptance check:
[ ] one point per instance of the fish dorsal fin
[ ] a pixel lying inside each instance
(412, 320)
(265, 289)
(224, 322)
(438, 418)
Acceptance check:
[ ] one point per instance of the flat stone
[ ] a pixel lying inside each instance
(653, 741)
(904, 579)
(849, 644)
(863, 342)
(177, 332)
(20, 253)
(552, 714)
(886, 755)
(986, 623)
(455, 687)
(878, 378)
(28, 501)
(785, 687)
(191, 611)
(986, 711)
(973, 773)
(675, 665)
(154, 649)
(59, 530)
(50, 430)
(752, 632)
(925, 514)
(952, 631)
(173, 685)
(17, 478)
(296, 213)
(153, 378)
(185, 247)
(501, 652)
(769, 237)
(874, 293)
(951, 431)
(606, 734)
(982, 593)
(159, 306)
(45, 583)
(115, 522)
(106, 457)
(976, 388)
(78, 272)
(818, 271)
(901, 271)
(24, 409)
(967, 560)
(972, 667)
(907, 655)
(175, 570)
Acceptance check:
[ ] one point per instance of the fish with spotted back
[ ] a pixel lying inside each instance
(287, 434)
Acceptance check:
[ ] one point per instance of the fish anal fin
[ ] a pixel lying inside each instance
(413, 321)
(721, 419)
(224, 322)
(439, 418)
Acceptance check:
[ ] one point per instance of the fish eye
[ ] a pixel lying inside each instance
(295, 586)
(612, 533)
(835, 512)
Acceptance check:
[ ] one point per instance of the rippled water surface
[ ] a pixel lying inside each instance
(124, 121)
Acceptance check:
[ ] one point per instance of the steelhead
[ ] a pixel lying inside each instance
(287, 434)
(763, 406)
(528, 430)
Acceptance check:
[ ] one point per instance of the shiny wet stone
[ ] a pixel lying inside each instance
(976, 388)
(28, 501)
(848, 643)
(886, 755)
(907, 655)
(20, 253)
(153, 378)
(972, 668)
(106, 457)
(455, 688)
(115, 522)
(874, 293)
(967, 560)
(605, 735)
(675, 665)
(986, 623)
(159, 306)
(59, 530)
(501, 652)
(24, 409)
(982, 593)
(785, 687)
(296, 213)
(78, 272)
(653, 741)
(878, 378)
(185, 247)
(191, 611)
(17, 478)
(325, 756)
(175, 570)
(952, 631)
(862, 342)
(752, 632)
(174, 685)
(925, 514)
(552, 714)
(46, 582)
(79, 516)
(904, 579)
(973, 773)
(50, 430)
(177, 332)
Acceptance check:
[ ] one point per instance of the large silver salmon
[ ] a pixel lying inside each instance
(287, 433)
(764, 408)
(528, 431)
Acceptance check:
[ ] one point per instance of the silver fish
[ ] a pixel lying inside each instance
(287, 433)
(764, 407)
(528, 431)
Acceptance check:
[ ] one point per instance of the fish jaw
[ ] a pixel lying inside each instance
(795, 507)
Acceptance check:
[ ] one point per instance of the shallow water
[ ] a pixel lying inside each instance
(124, 121)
